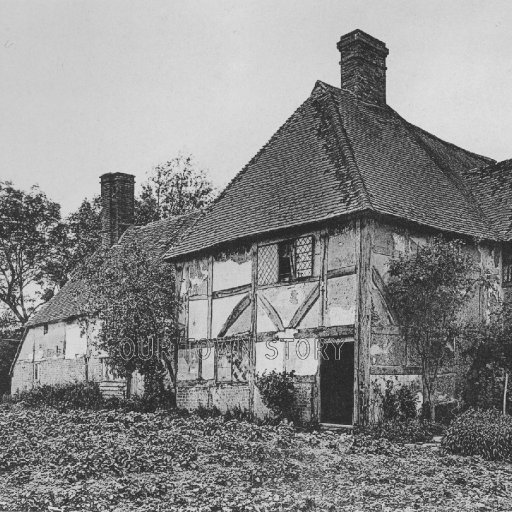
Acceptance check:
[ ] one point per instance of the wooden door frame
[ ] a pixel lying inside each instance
(342, 341)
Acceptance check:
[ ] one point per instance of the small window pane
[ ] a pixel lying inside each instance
(240, 360)
(286, 263)
(304, 255)
(267, 264)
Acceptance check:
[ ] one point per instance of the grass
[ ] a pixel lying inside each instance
(127, 461)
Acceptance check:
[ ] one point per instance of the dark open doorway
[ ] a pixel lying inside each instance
(337, 382)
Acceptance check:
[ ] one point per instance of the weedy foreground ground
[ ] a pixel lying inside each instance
(116, 461)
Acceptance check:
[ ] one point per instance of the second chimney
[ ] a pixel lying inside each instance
(363, 66)
(118, 206)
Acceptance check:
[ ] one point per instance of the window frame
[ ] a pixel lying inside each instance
(294, 259)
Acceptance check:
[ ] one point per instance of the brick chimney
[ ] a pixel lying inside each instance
(363, 66)
(118, 204)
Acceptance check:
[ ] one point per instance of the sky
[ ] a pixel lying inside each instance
(89, 87)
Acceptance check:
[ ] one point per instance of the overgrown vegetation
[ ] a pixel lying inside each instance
(488, 347)
(398, 402)
(129, 296)
(277, 390)
(80, 395)
(428, 289)
(85, 395)
(130, 461)
(400, 431)
(486, 433)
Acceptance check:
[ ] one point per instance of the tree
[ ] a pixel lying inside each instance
(76, 239)
(428, 290)
(29, 227)
(173, 188)
(130, 294)
(10, 337)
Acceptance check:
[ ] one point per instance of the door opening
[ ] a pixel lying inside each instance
(337, 382)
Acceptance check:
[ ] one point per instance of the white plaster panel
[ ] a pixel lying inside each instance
(27, 349)
(221, 309)
(197, 319)
(197, 277)
(208, 358)
(342, 249)
(76, 343)
(287, 299)
(229, 273)
(312, 316)
(264, 324)
(188, 364)
(341, 300)
(270, 356)
(302, 356)
(50, 344)
(242, 323)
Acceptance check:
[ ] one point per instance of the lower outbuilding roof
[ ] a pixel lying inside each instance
(157, 237)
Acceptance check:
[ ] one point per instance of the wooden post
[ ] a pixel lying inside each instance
(209, 335)
(254, 325)
(505, 389)
(365, 227)
(324, 244)
(324, 241)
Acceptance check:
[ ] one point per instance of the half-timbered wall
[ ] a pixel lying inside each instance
(264, 307)
(390, 357)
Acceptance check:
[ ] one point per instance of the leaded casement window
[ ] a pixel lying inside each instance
(232, 359)
(507, 265)
(285, 261)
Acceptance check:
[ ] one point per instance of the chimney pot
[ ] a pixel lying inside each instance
(363, 66)
(118, 206)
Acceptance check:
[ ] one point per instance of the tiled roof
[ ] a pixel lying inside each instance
(338, 155)
(492, 185)
(157, 237)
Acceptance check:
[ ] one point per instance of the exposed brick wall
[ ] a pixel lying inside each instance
(227, 396)
(363, 66)
(208, 394)
(118, 206)
(22, 376)
(54, 371)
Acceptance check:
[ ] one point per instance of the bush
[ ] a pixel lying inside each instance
(207, 412)
(87, 395)
(277, 391)
(237, 413)
(476, 432)
(79, 395)
(411, 431)
(398, 401)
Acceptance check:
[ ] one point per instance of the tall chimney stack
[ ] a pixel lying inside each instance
(118, 206)
(363, 66)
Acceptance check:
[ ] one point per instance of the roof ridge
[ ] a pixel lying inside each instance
(493, 164)
(349, 154)
(451, 144)
(452, 175)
